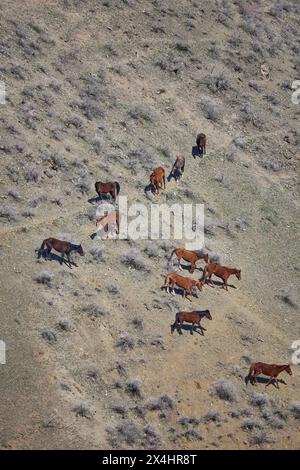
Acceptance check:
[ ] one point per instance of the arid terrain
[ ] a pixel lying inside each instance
(108, 90)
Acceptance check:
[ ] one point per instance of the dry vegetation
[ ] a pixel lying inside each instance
(107, 90)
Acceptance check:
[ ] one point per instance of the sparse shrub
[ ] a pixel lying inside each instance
(137, 322)
(93, 374)
(64, 325)
(134, 388)
(132, 434)
(152, 438)
(217, 83)
(119, 408)
(97, 253)
(113, 289)
(188, 420)
(191, 434)
(213, 416)
(251, 423)
(125, 342)
(82, 410)
(140, 113)
(14, 193)
(226, 390)
(49, 335)
(259, 437)
(211, 109)
(163, 403)
(94, 310)
(247, 356)
(133, 258)
(271, 165)
(44, 277)
(8, 213)
(285, 296)
(295, 409)
(152, 251)
(260, 399)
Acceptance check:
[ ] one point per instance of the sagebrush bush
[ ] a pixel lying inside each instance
(251, 423)
(260, 399)
(82, 410)
(134, 387)
(213, 416)
(295, 409)
(49, 335)
(134, 259)
(44, 277)
(8, 213)
(212, 110)
(125, 342)
(94, 310)
(226, 390)
(163, 403)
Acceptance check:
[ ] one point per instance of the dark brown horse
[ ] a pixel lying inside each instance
(177, 169)
(158, 179)
(201, 143)
(63, 247)
(112, 188)
(193, 317)
(220, 271)
(190, 256)
(271, 370)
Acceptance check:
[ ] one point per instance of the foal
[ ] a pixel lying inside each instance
(271, 370)
(63, 247)
(221, 272)
(193, 317)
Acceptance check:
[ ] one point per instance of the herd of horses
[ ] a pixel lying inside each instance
(172, 280)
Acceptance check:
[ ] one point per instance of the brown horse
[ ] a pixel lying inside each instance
(177, 169)
(190, 256)
(186, 284)
(193, 317)
(105, 221)
(221, 272)
(201, 143)
(158, 179)
(63, 247)
(271, 370)
(112, 188)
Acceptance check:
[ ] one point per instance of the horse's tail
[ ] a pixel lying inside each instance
(40, 251)
(250, 374)
(173, 326)
(117, 186)
(204, 274)
(96, 186)
(172, 254)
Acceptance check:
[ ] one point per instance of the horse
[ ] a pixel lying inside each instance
(177, 169)
(220, 271)
(105, 221)
(182, 282)
(158, 179)
(271, 370)
(201, 143)
(190, 256)
(63, 247)
(112, 188)
(193, 317)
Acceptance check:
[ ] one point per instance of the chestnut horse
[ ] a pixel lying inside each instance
(112, 188)
(186, 284)
(158, 179)
(221, 272)
(201, 143)
(190, 256)
(63, 247)
(105, 221)
(177, 169)
(271, 370)
(193, 317)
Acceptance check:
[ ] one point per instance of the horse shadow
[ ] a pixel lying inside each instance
(192, 329)
(195, 152)
(218, 283)
(149, 189)
(264, 380)
(179, 292)
(174, 174)
(55, 257)
(103, 197)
